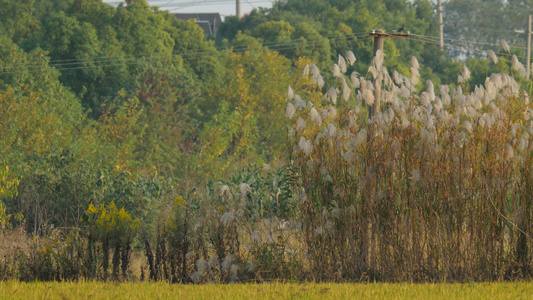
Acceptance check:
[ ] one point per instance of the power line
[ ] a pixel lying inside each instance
(465, 41)
(153, 58)
(100, 59)
(461, 48)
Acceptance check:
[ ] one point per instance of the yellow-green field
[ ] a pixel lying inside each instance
(18, 290)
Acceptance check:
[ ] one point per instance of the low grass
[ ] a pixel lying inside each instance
(87, 290)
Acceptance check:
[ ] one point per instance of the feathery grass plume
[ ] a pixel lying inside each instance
(332, 112)
(342, 64)
(290, 93)
(465, 72)
(372, 69)
(362, 135)
(430, 90)
(225, 191)
(226, 218)
(350, 57)
(332, 94)
(517, 65)
(509, 152)
(318, 231)
(195, 277)
(306, 146)
(354, 80)
(505, 47)
(332, 130)
(299, 104)
(369, 97)
(227, 262)
(346, 91)
(414, 75)
(307, 69)
(290, 110)
(245, 189)
(492, 56)
(397, 77)
(336, 71)
(414, 62)
(315, 117)
(201, 265)
(377, 61)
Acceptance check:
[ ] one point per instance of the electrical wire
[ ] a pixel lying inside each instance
(464, 41)
(191, 52)
(458, 47)
(146, 59)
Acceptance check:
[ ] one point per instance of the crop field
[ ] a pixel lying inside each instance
(91, 290)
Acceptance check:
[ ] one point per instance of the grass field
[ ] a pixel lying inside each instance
(90, 290)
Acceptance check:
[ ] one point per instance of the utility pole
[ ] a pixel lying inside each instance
(379, 40)
(528, 45)
(441, 24)
(528, 62)
(239, 14)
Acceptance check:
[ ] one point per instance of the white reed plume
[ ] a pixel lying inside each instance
(414, 62)
(342, 64)
(332, 112)
(350, 57)
(348, 156)
(226, 218)
(346, 91)
(329, 226)
(361, 137)
(354, 80)
(465, 72)
(377, 61)
(492, 55)
(290, 111)
(307, 68)
(336, 71)
(505, 47)
(509, 152)
(227, 262)
(332, 130)
(305, 145)
(517, 65)
(250, 267)
(369, 97)
(332, 94)
(372, 69)
(225, 190)
(234, 269)
(318, 231)
(397, 77)
(414, 75)
(201, 265)
(298, 102)
(245, 190)
(195, 277)
(315, 117)
(290, 93)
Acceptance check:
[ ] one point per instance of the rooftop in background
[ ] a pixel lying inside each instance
(224, 7)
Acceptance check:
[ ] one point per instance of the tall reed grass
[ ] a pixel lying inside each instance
(429, 186)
